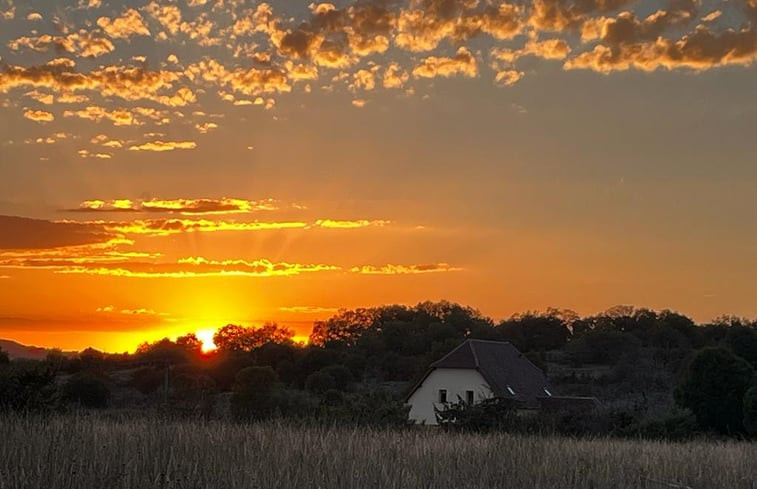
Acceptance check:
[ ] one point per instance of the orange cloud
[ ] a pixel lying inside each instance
(404, 269)
(163, 146)
(180, 206)
(362, 223)
(200, 267)
(165, 227)
(700, 50)
(129, 24)
(463, 63)
(39, 115)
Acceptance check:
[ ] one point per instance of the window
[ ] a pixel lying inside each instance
(546, 391)
(442, 395)
(510, 390)
(469, 397)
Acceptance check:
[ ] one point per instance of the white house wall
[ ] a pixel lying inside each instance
(455, 381)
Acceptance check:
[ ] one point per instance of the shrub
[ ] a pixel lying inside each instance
(86, 390)
(147, 380)
(750, 411)
(494, 414)
(28, 386)
(342, 376)
(251, 398)
(319, 382)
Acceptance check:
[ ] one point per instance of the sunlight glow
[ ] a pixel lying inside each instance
(206, 337)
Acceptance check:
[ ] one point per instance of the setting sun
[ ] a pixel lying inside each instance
(206, 337)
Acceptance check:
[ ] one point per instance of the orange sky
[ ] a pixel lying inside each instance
(171, 167)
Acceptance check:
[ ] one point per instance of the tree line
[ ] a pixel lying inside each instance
(358, 365)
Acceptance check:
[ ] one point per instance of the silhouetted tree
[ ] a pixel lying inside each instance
(602, 346)
(742, 341)
(713, 387)
(4, 359)
(239, 338)
(534, 331)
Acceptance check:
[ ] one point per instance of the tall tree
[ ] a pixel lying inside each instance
(713, 387)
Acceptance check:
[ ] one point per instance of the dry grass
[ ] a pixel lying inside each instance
(90, 452)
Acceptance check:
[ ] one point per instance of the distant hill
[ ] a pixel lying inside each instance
(17, 350)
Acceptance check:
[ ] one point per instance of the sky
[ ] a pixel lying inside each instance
(173, 166)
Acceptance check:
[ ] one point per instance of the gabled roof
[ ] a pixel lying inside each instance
(501, 365)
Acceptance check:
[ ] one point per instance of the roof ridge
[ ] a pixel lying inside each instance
(475, 355)
(448, 354)
(489, 341)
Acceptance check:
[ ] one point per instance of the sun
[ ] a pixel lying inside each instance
(206, 338)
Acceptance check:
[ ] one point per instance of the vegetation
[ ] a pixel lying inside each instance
(658, 374)
(95, 452)
(86, 390)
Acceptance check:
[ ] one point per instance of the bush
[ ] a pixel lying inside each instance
(750, 411)
(342, 376)
(676, 426)
(319, 382)
(379, 409)
(251, 398)
(86, 390)
(147, 380)
(494, 414)
(28, 386)
(713, 387)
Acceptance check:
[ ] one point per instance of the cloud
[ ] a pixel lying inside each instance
(404, 269)
(394, 76)
(698, 51)
(565, 15)
(193, 267)
(129, 24)
(309, 309)
(84, 43)
(119, 117)
(26, 233)
(463, 63)
(361, 223)
(125, 82)
(429, 22)
(39, 115)
(165, 227)
(163, 146)
(180, 206)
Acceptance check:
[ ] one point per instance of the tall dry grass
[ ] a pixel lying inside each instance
(90, 452)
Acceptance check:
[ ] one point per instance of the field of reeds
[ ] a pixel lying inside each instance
(91, 452)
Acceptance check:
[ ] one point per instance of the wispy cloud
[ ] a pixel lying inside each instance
(405, 269)
(180, 206)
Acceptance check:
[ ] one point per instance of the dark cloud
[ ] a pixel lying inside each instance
(26, 233)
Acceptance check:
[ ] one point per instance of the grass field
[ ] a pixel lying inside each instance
(81, 452)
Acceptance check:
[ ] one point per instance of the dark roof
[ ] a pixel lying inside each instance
(501, 365)
(568, 403)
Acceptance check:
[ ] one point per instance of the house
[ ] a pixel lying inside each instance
(481, 369)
